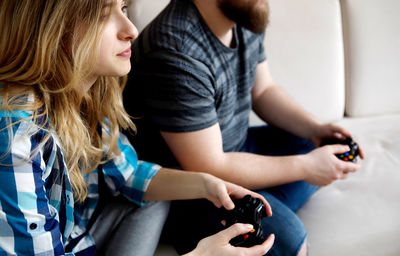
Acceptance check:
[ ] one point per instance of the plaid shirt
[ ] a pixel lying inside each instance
(37, 211)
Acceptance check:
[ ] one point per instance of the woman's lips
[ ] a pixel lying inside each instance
(126, 54)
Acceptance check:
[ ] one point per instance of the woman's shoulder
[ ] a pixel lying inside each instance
(12, 121)
(15, 114)
(19, 134)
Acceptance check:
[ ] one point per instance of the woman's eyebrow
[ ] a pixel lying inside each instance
(108, 4)
(112, 3)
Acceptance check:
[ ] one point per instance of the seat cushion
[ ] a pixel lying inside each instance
(360, 215)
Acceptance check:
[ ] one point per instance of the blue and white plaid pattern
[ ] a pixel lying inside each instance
(37, 211)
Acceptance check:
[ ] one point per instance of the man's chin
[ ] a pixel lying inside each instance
(252, 17)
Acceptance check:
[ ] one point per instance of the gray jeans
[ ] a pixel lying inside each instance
(125, 229)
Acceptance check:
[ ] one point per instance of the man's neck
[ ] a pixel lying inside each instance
(219, 24)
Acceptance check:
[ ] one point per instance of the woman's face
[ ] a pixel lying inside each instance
(115, 45)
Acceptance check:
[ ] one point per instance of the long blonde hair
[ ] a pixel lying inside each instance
(48, 47)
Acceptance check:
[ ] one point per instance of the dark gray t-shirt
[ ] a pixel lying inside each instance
(184, 79)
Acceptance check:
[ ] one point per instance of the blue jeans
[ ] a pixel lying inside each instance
(190, 221)
(286, 199)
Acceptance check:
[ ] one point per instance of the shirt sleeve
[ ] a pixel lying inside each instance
(176, 92)
(262, 56)
(127, 175)
(28, 223)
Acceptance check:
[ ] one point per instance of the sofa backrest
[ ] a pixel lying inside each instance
(331, 56)
(372, 46)
(141, 12)
(305, 52)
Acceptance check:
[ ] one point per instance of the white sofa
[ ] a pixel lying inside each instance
(341, 61)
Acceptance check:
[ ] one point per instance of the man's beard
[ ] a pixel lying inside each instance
(246, 14)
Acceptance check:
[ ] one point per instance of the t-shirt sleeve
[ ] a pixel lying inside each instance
(176, 91)
(262, 56)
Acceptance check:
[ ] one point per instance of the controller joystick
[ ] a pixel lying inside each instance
(247, 210)
(351, 155)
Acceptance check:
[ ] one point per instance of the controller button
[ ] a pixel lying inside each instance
(345, 159)
(252, 231)
(346, 154)
(341, 156)
(245, 236)
(351, 157)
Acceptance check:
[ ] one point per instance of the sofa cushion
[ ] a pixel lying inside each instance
(372, 45)
(360, 215)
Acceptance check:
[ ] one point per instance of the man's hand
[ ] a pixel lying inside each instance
(332, 131)
(219, 245)
(324, 167)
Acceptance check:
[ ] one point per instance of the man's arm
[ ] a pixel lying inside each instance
(202, 150)
(273, 105)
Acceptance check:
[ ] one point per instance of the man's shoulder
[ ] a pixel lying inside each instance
(177, 28)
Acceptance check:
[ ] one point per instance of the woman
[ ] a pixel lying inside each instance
(64, 166)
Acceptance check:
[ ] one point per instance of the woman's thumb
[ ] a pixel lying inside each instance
(235, 230)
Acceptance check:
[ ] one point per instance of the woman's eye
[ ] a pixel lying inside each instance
(124, 9)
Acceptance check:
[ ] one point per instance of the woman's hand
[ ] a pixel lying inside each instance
(220, 193)
(219, 245)
(170, 184)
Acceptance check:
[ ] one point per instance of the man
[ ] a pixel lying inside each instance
(199, 68)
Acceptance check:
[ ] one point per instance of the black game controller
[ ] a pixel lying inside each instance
(351, 155)
(247, 210)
